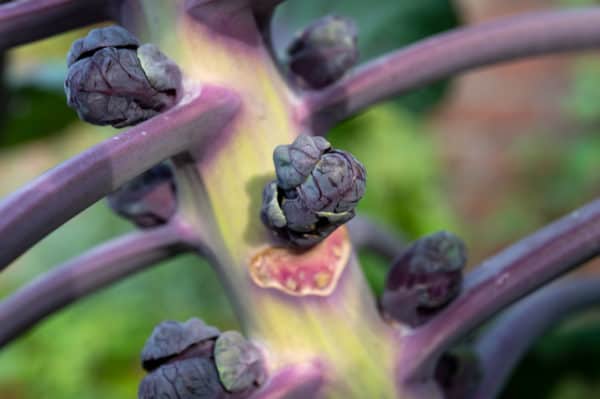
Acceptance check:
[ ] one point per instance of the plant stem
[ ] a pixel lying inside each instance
(293, 382)
(448, 54)
(291, 328)
(85, 275)
(368, 234)
(503, 279)
(49, 201)
(29, 20)
(506, 342)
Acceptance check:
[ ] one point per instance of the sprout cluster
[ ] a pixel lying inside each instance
(316, 190)
(192, 360)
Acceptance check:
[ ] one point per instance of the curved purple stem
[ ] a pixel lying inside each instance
(506, 342)
(25, 21)
(447, 54)
(264, 9)
(503, 279)
(368, 234)
(84, 275)
(31, 213)
(294, 382)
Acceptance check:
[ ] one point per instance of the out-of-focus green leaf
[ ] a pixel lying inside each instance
(404, 179)
(34, 112)
(563, 364)
(383, 26)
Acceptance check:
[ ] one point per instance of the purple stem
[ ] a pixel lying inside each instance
(84, 275)
(447, 54)
(367, 234)
(294, 382)
(264, 9)
(55, 197)
(25, 21)
(503, 279)
(507, 341)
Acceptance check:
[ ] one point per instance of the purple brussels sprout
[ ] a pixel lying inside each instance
(324, 51)
(192, 360)
(424, 278)
(171, 338)
(112, 80)
(239, 363)
(147, 200)
(316, 191)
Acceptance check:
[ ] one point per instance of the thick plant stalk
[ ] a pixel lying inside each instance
(503, 279)
(294, 382)
(49, 201)
(85, 275)
(446, 55)
(506, 342)
(369, 235)
(24, 21)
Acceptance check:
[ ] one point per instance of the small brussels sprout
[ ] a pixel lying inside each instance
(316, 191)
(171, 338)
(239, 363)
(149, 199)
(324, 51)
(194, 378)
(114, 81)
(424, 278)
(192, 360)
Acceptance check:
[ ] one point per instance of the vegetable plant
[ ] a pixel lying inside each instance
(225, 155)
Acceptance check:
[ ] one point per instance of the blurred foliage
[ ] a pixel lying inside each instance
(34, 113)
(32, 95)
(403, 173)
(387, 27)
(559, 171)
(562, 365)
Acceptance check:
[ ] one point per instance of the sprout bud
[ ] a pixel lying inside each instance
(149, 199)
(424, 278)
(195, 361)
(324, 51)
(178, 357)
(316, 191)
(114, 81)
(239, 363)
(171, 338)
